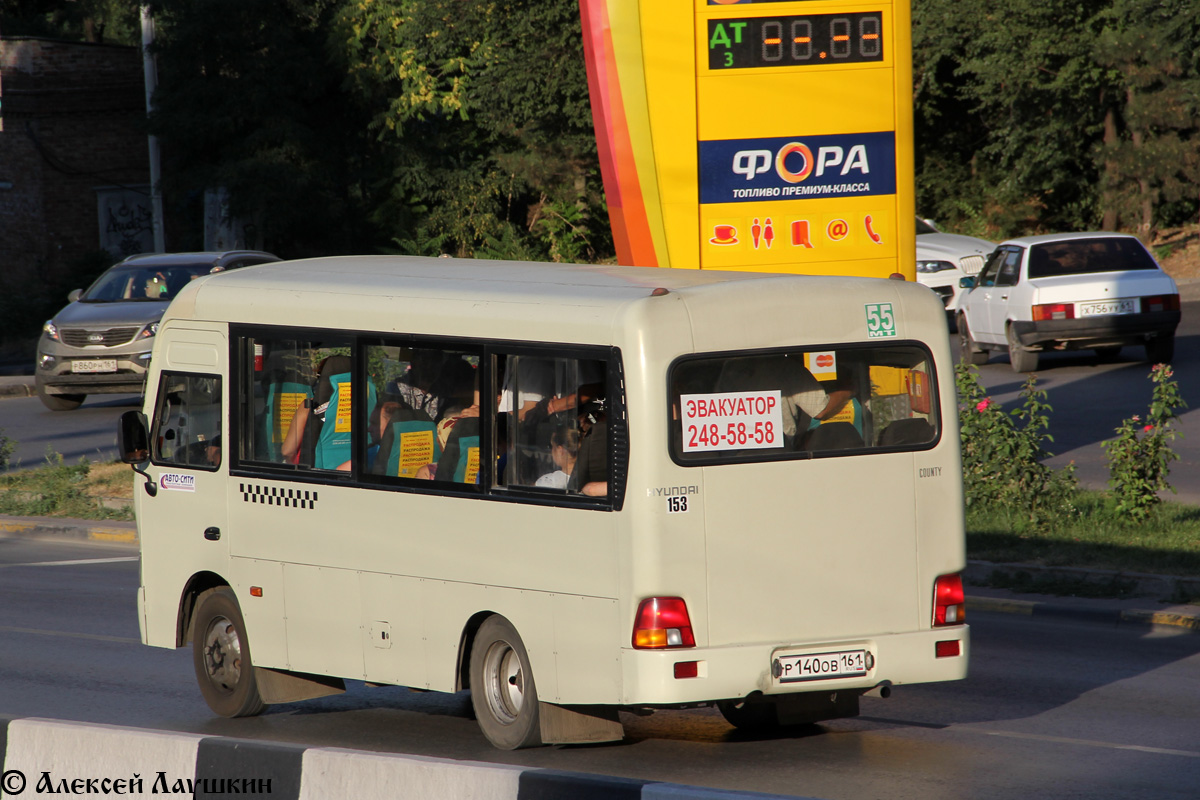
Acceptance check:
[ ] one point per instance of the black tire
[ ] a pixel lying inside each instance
(969, 350)
(1107, 354)
(503, 692)
(221, 656)
(1021, 359)
(59, 402)
(1160, 349)
(749, 716)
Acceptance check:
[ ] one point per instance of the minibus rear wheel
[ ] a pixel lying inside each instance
(221, 656)
(503, 693)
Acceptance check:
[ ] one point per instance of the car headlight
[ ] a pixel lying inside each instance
(934, 266)
(50, 329)
(149, 331)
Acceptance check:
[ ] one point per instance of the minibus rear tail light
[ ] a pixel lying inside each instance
(662, 622)
(949, 602)
(1048, 311)
(1163, 302)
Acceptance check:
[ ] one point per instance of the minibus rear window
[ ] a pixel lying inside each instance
(802, 403)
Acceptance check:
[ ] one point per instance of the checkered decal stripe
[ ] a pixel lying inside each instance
(278, 496)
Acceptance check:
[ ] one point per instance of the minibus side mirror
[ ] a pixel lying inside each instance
(133, 443)
(966, 283)
(74, 295)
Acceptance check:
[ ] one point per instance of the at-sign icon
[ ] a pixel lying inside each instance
(881, 321)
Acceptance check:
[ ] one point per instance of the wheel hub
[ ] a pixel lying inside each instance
(505, 682)
(223, 654)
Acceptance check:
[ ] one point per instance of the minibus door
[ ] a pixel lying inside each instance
(182, 526)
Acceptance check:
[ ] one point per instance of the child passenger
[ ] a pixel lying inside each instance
(564, 449)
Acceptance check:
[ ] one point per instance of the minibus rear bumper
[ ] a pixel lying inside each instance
(734, 672)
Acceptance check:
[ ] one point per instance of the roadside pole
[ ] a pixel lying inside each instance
(150, 71)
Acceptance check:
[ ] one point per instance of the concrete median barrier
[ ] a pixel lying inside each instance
(42, 756)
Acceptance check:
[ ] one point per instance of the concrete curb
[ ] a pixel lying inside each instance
(66, 529)
(10, 389)
(50, 756)
(1112, 616)
(1164, 588)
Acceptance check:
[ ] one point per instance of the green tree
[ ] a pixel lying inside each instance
(1151, 148)
(247, 101)
(485, 110)
(1025, 88)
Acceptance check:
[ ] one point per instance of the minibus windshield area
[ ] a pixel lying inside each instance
(802, 403)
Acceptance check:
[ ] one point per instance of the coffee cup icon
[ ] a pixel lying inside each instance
(724, 234)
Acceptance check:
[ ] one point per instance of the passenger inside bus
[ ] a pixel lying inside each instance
(802, 397)
(408, 441)
(590, 475)
(564, 452)
(319, 433)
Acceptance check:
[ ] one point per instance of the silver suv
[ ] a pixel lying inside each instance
(100, 343)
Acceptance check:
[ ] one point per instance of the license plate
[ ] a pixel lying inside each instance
(94, 365)
(821, 666)
(1108, 307)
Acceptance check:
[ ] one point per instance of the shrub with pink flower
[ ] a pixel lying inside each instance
(1002, 453)
(1139, 458)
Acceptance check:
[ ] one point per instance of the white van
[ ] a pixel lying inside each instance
(571, 489)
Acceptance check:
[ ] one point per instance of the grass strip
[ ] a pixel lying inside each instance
(1167, 543)
(85, 490)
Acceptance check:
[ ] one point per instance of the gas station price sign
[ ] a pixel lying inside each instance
(806, 40)
(765, 135)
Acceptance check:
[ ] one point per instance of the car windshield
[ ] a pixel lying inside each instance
(150, 283)
(1084, 256)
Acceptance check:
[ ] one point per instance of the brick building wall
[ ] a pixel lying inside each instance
(73, 140)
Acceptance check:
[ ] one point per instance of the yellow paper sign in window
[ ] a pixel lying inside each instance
(341, 422)
(416, 450)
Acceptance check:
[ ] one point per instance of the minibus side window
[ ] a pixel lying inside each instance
(426, 422)
(187, 421)
(302, 395)
(802, 403)
(551, 425)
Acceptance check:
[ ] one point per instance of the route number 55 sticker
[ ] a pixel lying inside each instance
(881, 322)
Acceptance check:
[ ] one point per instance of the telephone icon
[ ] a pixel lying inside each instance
(875, 237)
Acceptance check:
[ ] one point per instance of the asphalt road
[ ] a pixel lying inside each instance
(1050, 710)
(88, 432)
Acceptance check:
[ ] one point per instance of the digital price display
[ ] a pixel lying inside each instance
(795, 41)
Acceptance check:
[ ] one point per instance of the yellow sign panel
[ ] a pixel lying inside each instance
(756, 134)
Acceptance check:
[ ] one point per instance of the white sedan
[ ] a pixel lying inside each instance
(1076, 291)
(944, 259)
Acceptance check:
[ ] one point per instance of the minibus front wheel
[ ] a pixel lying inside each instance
(503, 693)
(221, 656)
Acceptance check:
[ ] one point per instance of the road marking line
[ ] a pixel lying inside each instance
(1087, 743)
(92, 636)
(73, 563)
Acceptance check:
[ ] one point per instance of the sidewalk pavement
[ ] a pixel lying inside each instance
(1145, 610)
